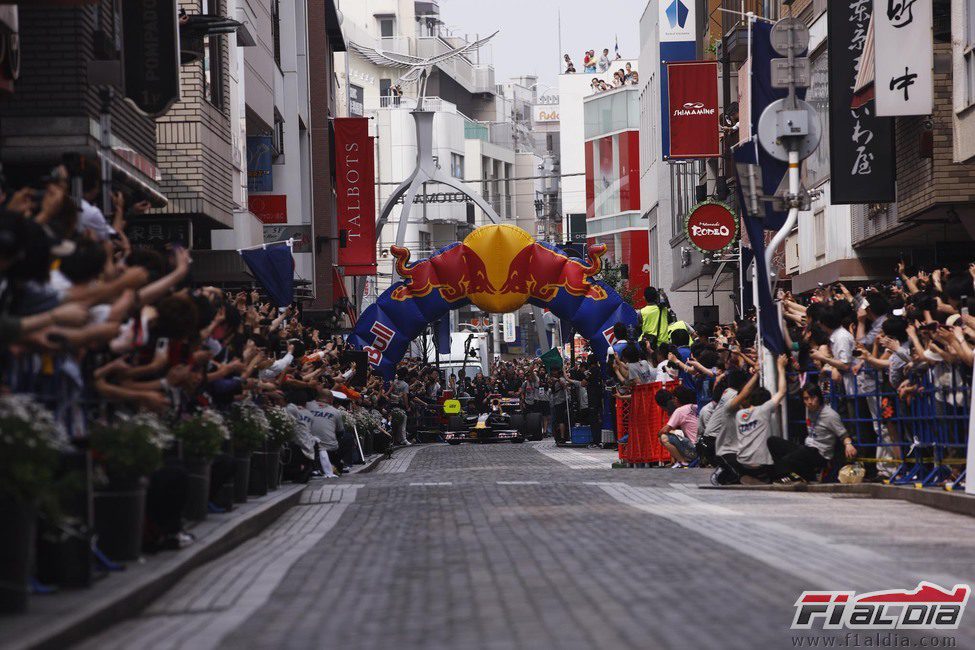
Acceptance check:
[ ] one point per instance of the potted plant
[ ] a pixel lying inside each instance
(201, 437)
(125, 452)
(30, 442)
(281, 430)
(248, 429)
(368, 426)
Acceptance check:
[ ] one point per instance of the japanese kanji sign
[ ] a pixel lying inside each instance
(904, 76)
(861, 144)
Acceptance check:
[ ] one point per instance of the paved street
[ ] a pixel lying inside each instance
(530, 546)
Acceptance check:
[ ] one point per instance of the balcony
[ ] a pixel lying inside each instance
(435, 104)
(612, 111)
(502, 134)
(735, 28)
(465, 70)
(426, 7)
(397, 45)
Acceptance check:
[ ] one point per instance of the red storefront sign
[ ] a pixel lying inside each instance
(711, 226)
(355, 186)
(269, 208)
(693, 96)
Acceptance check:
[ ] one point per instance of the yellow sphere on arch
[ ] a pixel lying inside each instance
(497, 245)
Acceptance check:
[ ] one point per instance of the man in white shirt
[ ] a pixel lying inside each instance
(603, 63)
(90, 217)
(271, 372)
(327, 425)
(754, 409)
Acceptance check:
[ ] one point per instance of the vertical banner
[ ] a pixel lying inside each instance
(744, 101)
(509, 323)
(861, 145)
(692, 89)
(355, 187)
(904, 60)
(356, 100)
(151, 54)
(677, 23)
(260, 149)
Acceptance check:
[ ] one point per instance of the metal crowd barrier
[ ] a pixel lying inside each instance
(920, 439)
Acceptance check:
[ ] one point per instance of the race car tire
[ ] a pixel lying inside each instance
(518, 423)
(453, 442)
(518, 440)
(455, 423)
(533, 427)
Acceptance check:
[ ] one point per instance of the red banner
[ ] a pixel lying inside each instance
(693, 95)
(355, 186)
(269, 208)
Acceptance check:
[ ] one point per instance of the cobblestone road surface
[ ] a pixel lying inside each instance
(530, 546)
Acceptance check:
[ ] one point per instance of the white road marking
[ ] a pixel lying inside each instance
(572, 458)
(812, 556)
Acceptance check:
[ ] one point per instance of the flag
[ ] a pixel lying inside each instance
(759, 178)
(552, 359)
(618, 47)
(274, 268)
(442, 339)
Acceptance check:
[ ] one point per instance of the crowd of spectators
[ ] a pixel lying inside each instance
(626, 76)
(870, 375)
(94, 331)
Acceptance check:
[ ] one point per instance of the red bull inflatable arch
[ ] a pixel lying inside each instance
(499, 268)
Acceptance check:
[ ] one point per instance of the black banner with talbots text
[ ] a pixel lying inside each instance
(861, 145)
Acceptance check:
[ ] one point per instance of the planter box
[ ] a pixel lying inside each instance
(273, 468)
(241, 476)
(16, 554)
(119, 517)
(258, 477)
(197, 489)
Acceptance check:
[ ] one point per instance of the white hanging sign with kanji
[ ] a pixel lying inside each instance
(904, 57)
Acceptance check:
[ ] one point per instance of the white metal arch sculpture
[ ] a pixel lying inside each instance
(426, 170)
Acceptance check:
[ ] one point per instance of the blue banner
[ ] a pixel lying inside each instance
(260, 151)
(754, 164)
(274, 268)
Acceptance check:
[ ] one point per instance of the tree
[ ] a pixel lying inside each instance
(612, 274)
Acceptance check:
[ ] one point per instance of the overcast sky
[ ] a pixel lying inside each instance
(528, 42)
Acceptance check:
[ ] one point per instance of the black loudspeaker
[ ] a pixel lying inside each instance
(361, 361)
(706, 315)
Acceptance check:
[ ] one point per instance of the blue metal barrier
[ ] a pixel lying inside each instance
(925, 433)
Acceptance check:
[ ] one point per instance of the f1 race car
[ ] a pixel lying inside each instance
(499, 424)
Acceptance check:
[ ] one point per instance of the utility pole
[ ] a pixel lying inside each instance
(789, 130)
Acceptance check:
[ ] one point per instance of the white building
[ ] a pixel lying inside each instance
(573, 89)
(269, 101)
(668, 189)
(821, 248)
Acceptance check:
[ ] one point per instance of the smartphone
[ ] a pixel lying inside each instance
(858, 353)
(964, 305)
